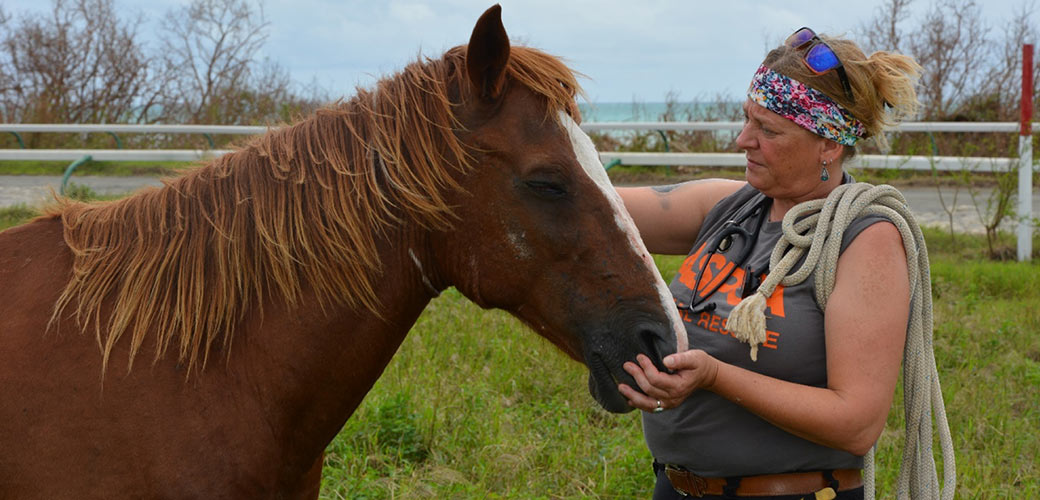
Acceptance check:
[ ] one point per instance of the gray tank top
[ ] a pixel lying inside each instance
(708, 434)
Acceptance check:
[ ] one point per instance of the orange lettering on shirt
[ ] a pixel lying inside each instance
(732, 286)
(711, 279)
(703, 321)
(771, 339)
(689, 267)
(714, 325)
(775, 302)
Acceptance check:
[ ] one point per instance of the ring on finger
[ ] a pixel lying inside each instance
(658, 408)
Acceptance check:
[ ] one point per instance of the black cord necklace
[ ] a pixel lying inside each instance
(721, 243)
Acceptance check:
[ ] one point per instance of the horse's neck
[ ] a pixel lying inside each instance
(316, 366)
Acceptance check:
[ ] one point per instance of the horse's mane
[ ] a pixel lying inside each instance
(302, 205)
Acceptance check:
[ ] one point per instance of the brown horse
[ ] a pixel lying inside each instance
(269, 288)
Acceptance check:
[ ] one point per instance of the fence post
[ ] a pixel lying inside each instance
(119, 142)
(1025, 160)
(21, 143)
(69, 170)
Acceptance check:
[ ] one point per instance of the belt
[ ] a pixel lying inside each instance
(795, 483)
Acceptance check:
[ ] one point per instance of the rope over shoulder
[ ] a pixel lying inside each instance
(815, 229)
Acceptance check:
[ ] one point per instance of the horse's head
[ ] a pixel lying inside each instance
(543, 234)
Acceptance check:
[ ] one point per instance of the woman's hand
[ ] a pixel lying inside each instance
(694, 369)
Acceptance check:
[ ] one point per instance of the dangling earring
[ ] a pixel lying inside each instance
(824, 175)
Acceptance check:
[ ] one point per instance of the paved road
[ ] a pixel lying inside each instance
(924, 201)
(932, 207)
(36, 189)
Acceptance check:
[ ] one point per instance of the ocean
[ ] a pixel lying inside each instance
(659, 111)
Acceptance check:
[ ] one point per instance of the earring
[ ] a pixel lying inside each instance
(824, 175)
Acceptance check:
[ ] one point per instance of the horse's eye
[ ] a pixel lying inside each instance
(547, 189)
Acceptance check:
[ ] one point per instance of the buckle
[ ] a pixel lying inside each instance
(685, 482)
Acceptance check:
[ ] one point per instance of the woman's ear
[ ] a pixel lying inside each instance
(831, 151)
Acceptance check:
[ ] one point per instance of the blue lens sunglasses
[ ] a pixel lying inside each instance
(819, 57)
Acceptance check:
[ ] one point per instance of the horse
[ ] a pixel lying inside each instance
(270, 287)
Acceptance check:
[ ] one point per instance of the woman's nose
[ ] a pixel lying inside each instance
(745, 140)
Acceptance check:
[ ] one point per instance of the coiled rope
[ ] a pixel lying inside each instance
(819, 232)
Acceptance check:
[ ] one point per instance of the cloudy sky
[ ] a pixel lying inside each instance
(630, 50)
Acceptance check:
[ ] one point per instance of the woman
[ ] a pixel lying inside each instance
(798, 420)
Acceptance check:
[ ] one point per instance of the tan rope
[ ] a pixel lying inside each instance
(818, 235)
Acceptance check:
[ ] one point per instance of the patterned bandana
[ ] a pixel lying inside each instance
(806, 106)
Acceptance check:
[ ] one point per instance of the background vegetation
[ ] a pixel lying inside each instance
(85, 62)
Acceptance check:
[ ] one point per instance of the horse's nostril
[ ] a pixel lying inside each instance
(648, 339)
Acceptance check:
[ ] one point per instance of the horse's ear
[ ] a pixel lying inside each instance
(487, 54)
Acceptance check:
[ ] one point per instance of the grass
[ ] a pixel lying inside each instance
(474, 405)
(105, 168)
(16, 214)
(501, 414)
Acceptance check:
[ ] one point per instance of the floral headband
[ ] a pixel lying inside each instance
(806, 106)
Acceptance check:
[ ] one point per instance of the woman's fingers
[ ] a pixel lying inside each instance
(637, 399)
(667, 388)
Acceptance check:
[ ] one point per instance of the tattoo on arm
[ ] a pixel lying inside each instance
(664, 190)
(663, 193)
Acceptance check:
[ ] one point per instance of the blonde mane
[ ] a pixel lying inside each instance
(302, 205)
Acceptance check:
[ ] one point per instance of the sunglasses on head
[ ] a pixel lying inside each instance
(819, 57)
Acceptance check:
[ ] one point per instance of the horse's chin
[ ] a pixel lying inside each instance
(604, 389)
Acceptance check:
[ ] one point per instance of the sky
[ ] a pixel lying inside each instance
(630, 50)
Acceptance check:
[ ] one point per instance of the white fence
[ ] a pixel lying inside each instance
(917, 162)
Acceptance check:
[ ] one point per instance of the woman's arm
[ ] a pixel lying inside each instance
(865, 323)
(669, 217)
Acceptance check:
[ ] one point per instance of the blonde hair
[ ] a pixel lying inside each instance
(882, 84)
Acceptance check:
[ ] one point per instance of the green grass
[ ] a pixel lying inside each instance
(474, 405)
(16, 214)
(105, 168)
(501, 414)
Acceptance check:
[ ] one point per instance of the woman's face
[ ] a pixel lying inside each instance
(783, 159)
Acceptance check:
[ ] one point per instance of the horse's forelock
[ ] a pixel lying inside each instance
(547, 76)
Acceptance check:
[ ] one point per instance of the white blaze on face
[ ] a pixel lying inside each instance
(587, 156)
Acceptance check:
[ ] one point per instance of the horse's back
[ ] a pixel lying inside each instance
(34, 267)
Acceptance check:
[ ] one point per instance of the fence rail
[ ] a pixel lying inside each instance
(945, 163)
(111, 154)
(916, 162)
(1008, 127)
(133, 129)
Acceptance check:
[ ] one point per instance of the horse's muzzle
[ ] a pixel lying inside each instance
(605, 356)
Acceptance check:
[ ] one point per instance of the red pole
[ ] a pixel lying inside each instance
(1026, 128)
(1025, 159)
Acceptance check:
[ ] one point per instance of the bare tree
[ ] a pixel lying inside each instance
(883, 32)
(951, 45)
(1005, 79)
(80, 64)
(274, 97)
(6, 75)
(967, 76)
(212, 45)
